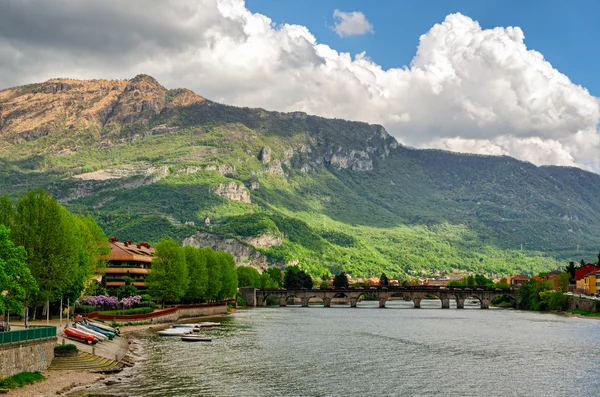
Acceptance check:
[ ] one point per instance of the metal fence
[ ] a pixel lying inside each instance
(27, 334)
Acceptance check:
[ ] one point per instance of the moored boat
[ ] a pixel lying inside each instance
(106, 334)
(80, 336)
(104, 327)
(195, 338)
(209, 324)
(174, 332)
(101, 337)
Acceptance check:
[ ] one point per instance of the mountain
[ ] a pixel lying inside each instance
(281, 188)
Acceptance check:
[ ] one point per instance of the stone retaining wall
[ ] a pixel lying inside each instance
(582, 304)
(33, 355)
(170, 315)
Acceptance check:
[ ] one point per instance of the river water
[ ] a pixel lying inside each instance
(367, 351)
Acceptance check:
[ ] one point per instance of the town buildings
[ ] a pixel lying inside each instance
(127, 260)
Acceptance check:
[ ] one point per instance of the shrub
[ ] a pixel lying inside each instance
(146, 304)
(146, 297)
(241, 301)
(139, 310)
(324, 285)
(65, 348)
(21, 379)
(85, 309)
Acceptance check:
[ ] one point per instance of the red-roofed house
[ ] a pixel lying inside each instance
(517, 281)
(583, 271)
(127, 259)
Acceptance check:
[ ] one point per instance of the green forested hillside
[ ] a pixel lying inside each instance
(144, 160)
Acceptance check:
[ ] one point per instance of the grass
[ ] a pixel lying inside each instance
(585, 313)
(21, 379)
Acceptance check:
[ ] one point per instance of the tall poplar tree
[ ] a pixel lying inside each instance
(229, 275)
(7, 211)
(50, 237)
(195, 259)
(215, 281)
(168, 279)
(16, 281)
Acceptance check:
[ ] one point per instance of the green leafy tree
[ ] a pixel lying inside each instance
(470, 281)
(276, 275)
(195, 259)
(128, 289)
(503, 283)
(267, 282)
(52, 244)
(92, 245)
(561, 282)
(483, 281)
(553, 300)
(168, 279)
(16, 281)
(215, 281)
(248, 277)
(229, 278)
(7, 211)
(340, 281)
(295, 278)
(570, 270)
(383, 280)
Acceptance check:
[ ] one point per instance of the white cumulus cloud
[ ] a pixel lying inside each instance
(466, 89)
(351, 23)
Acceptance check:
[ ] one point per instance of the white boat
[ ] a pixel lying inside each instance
(174, 332)
(209, 324)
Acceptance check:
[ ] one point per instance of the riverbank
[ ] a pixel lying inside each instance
(57, 383)
(81, 383)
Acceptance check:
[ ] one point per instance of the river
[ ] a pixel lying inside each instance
(367, 351)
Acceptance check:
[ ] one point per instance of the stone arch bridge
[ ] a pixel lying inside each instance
(258, 297)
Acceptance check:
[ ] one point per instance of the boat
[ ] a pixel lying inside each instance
(174, 332)
(209, 324)
(101, 337)
(195, 338)
(104, 327)
(184, 325)
(77, 335)
(107, 334)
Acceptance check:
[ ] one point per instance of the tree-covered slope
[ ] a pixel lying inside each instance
(148, 162)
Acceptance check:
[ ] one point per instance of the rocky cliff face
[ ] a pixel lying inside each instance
(67, 105)
(243, 253)
(232, 191)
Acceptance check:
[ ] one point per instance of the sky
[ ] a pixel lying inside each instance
(490, 77)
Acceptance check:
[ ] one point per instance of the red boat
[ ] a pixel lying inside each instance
(80, 336)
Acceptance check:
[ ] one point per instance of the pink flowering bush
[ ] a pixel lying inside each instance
(129, 302)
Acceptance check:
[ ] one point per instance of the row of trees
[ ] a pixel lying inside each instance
(191, 274)
(60, 250)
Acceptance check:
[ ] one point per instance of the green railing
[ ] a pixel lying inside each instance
(27, 334)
